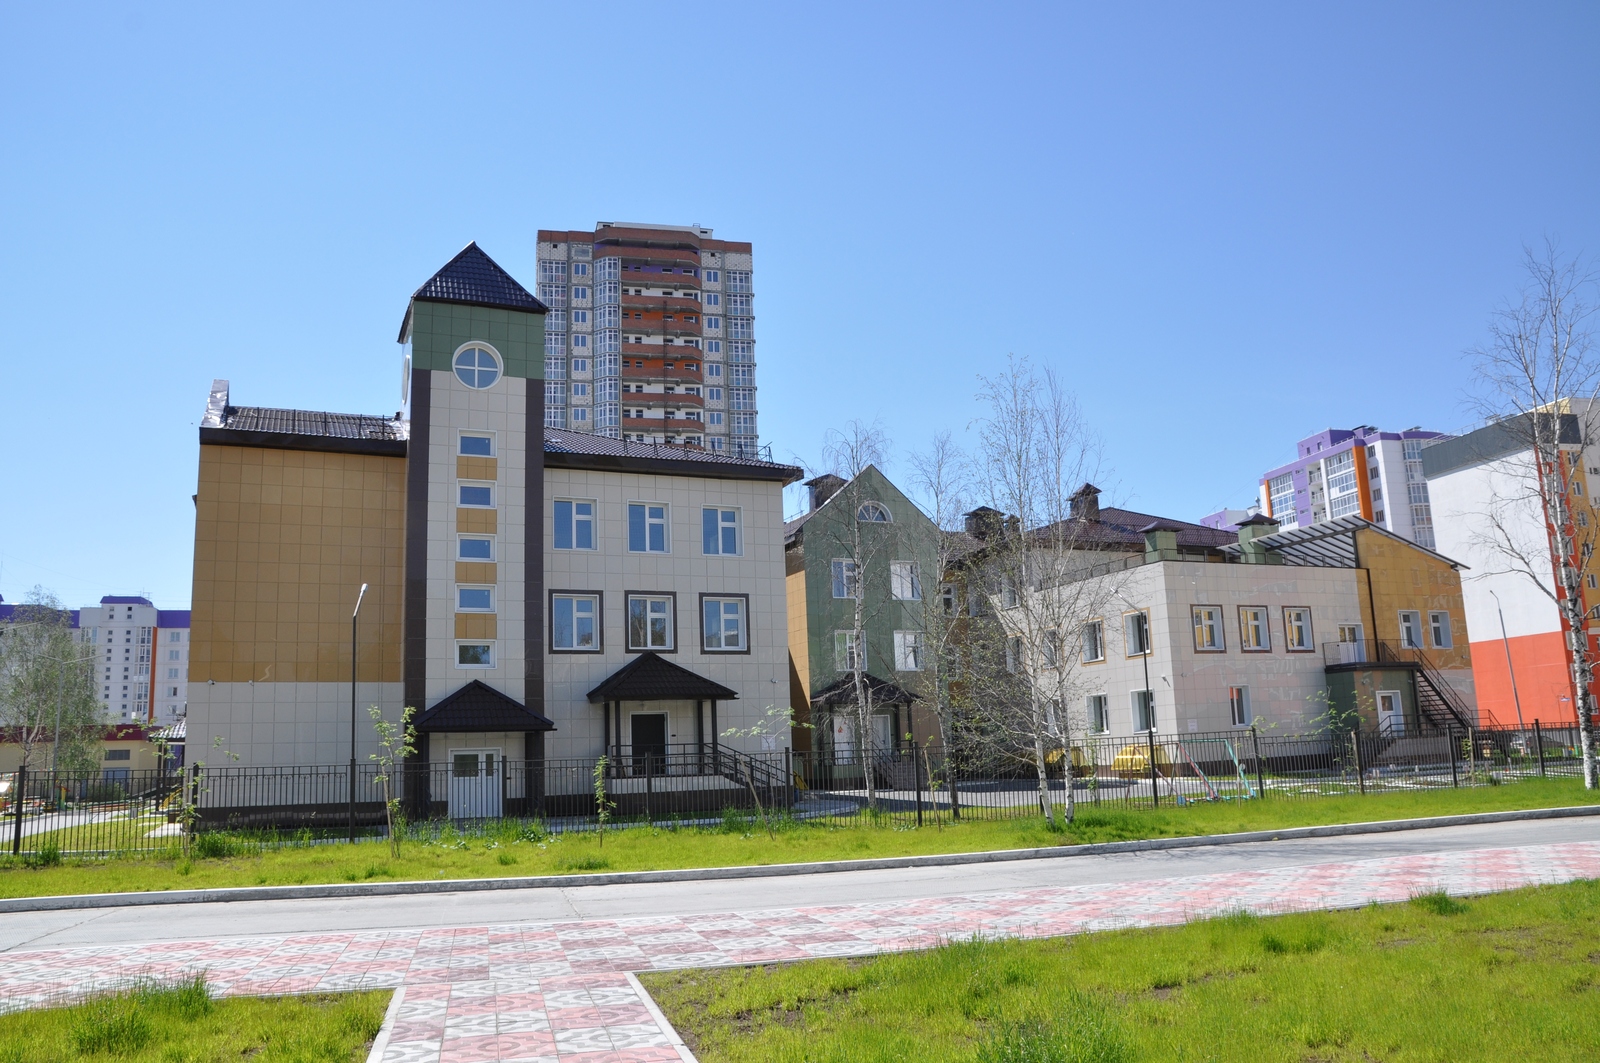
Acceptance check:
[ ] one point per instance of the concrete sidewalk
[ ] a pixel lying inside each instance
(560, 990)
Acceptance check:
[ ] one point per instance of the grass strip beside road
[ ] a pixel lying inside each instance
(1510, 977)
(181, 1023)
(515, 849)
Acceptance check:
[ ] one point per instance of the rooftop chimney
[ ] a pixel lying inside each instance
(983, 522)
(1085, 503)
(823, 488)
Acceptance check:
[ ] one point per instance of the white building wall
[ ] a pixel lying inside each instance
(760, 677)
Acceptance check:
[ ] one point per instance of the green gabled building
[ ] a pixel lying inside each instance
(862, 528)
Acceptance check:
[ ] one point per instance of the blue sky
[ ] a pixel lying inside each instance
(1226, 226)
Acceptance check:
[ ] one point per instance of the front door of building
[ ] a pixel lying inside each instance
(1391, 713)
(475, 783)
(649, 743)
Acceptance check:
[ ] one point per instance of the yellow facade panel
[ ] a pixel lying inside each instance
(477, 468)
(481, 521)
(475, 625)
(475, 572)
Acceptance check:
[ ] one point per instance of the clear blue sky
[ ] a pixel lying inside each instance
(1228, 226)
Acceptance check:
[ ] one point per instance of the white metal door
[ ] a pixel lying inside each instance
(844, 740)
(1391, 713)
(475, 783)
(882, 733)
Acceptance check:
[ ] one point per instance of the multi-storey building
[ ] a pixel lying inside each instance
(1356, 472)
(141, 657)
(650, 335)
(529, 591)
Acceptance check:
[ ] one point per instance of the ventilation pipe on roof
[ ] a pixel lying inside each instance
(1252, 552)
(1160, 542)
(216, 406)
(1085, 503)
(823, 488)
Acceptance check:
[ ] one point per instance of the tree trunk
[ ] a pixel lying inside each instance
(1046, 801)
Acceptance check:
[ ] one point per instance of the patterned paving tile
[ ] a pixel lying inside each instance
(562, 993)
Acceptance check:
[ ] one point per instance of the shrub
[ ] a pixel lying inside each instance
(214, 846)
(1438, 902)
(49, 855)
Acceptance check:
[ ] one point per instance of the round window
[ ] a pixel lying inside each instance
(477, 367)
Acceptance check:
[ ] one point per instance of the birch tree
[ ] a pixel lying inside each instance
(47, 687)
(1540, 378)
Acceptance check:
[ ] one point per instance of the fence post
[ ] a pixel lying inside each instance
(1361, 775)
(1450, 744)
(1155, 793)
(1255, 744)
(17, 791)
(649, 785)
(1472, 752)
(1538, 740)
(916, 776)
(788, 775)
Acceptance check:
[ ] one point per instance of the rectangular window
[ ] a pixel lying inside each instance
(1207, 628)
(580, 415)
(1136, 633)
(724, 624)
(475, 599)
(575, 622)
(474, 655)
(844, 579)
(119, 754)
(174, 636)
(1411, 630)
(476, 445)
(1095, 709)
(650, 622)
(580, 390)
(1439, 630)
(845, 658)
(647, 528)
(1254, 634)
(1143, 704)
(1050, 649)
(1094, 641)
(719, 531)
(1297, 629)
(477, 496)
(947, 598)
(1239, 706)
(574, 528)
(905, 582)
(908, 651)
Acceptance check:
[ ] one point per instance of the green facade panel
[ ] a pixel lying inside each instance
(439, 329)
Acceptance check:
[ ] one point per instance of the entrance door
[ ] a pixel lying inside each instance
(650, 743)
(1391, 713)
(474, 784)
(882, 734)
(844, 740)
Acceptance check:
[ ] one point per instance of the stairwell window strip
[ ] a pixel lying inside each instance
(1255, 636)
(1208, 637)
(477, 496)
(1297, 635)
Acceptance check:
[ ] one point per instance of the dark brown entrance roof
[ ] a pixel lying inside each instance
(651, 677)
(478, 707)
(842, 692)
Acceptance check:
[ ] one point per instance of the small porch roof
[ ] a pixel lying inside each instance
(651, 677)
(479, 707)
(880, 691)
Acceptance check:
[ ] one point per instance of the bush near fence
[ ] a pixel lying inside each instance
(128, 811)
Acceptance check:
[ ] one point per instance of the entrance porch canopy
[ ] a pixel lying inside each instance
(650, 677)
(478, 708)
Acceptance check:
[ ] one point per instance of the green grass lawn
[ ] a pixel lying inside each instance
(1514, 976)
(182, 1024)
(516, 849)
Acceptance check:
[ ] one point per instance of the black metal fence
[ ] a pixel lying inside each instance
(123, 811)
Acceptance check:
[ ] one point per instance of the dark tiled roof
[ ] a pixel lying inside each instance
(651, 677)
(475, 279)
(312, 423)
(479, 707)
(1124, 528)
(880, 691)
(623, 453)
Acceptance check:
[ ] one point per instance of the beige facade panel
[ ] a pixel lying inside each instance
(469, 468)
(283, 541)
(479, 521)
(475, 625)
(475, 572)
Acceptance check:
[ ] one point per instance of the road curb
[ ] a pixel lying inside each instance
(704, 874)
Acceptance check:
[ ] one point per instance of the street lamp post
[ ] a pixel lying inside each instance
(1150, 694)
(353, 617)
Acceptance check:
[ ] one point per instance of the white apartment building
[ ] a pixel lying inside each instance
(141, 657)
(650, 335)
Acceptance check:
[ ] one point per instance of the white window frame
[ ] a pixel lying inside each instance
(1255, 620)
(575, 519)
(725, 519)
(664, 522)
(1439, 632)
(1239, 706)
(1098, 624)
(573, 598)
(462, 644)
(1128, 630)
(1410, 629)
(846, 577)
(873, 512)
(1097, 711)
(461, 539)
(1148, 706)
(908, 651)
(1209, 636)
(1289, 627)
(474, 587)
(461, 441)
(905, 581)
(464, 484)
(646, 601)
(721, 635)
(845, 652)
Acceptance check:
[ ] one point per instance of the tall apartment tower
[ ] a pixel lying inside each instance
(650, 335)
(1356, 471)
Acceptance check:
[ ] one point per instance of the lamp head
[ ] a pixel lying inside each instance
(360, 596)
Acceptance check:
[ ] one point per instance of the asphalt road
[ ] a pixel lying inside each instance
(108, 926)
